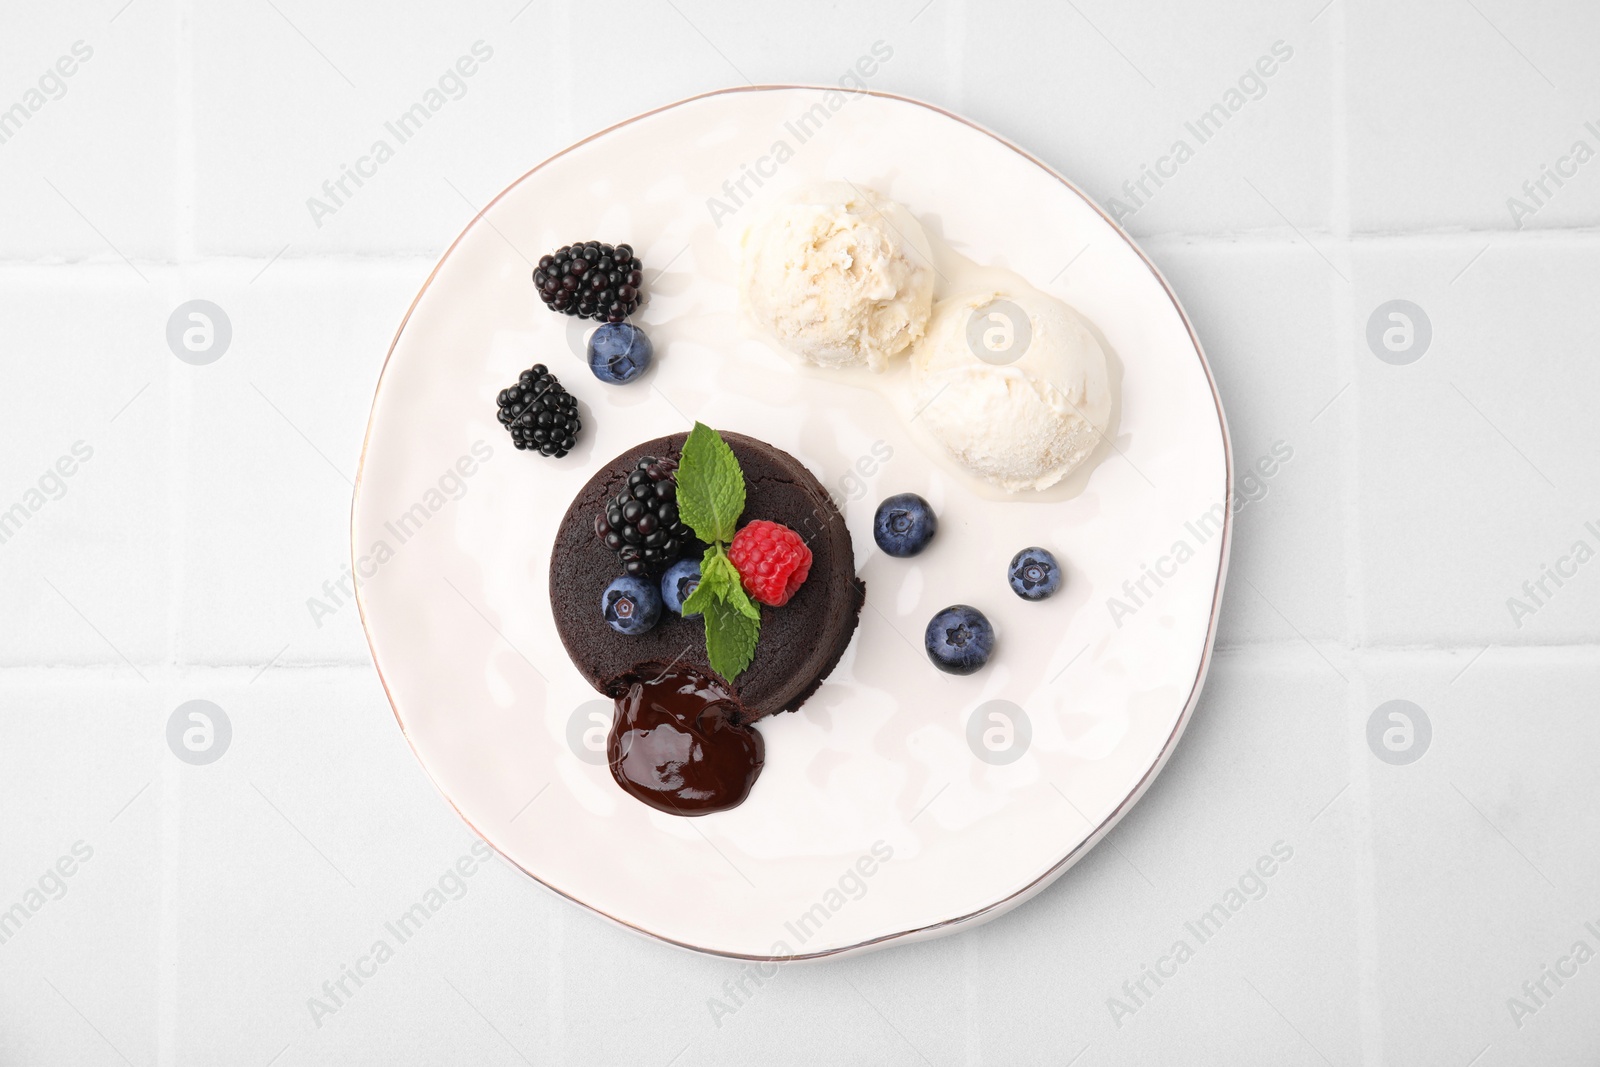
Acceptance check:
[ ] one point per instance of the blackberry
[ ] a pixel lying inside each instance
(591, 280)
(539, 413)
(640, 524)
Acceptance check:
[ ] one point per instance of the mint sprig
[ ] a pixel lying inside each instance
(710, 500)
(733, 622)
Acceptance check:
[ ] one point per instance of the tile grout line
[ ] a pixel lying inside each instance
(167, 906)
(1506, 239)
(184, 182)
(1368, 991)
(180, 409)
(169, 799)
(954, 16)
(1344, 336)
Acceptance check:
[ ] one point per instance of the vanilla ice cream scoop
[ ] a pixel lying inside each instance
(838, 276)
(1013, 385)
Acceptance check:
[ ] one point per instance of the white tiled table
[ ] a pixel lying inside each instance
(175, 163)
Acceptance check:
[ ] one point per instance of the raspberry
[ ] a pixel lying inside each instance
(772, 561)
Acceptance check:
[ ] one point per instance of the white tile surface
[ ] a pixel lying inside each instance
(1095, 79)
(1278, 364)
(1473, 459)
(1377, 564)
(94, 168)
(270, 452)
(1453, 106)
(83, 777)
(86, 568)
(1477, 884)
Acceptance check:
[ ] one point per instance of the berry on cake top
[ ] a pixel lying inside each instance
(641, 523)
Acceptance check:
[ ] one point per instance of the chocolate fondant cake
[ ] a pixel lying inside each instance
(800, 643)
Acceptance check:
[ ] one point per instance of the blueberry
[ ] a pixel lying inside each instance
(1034, 573)
(619, 352)
(631, 605)
(904, 524)
(676, 585)
(959, 639)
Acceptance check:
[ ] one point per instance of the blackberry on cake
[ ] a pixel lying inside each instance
(641, 524)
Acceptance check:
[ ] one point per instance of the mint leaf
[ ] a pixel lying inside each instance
(716, 573)
(742, 603)
(703, 596)
(728, 584)
(730, 638)
(710, 486)
(723, 573)
(732, 620)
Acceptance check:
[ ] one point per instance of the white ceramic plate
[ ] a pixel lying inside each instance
(875, 819)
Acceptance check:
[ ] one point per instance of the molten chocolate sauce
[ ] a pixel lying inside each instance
(680, 742)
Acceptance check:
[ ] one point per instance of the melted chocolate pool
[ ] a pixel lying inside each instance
(682, 744)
